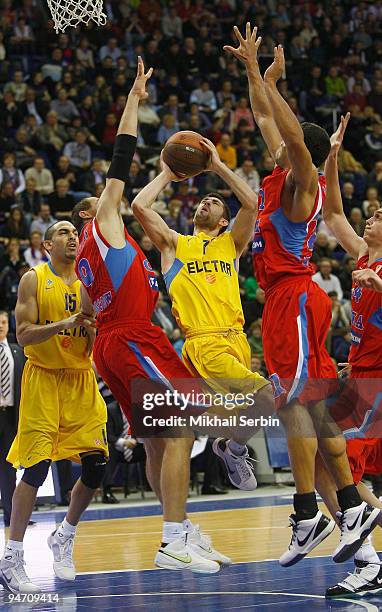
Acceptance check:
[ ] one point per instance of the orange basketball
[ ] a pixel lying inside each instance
(185, 154)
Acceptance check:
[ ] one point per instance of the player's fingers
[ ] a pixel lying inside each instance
(207, 141)
(258, 43)
(254, 33)
(248, 31)
(232, 50)
(87, 317)
(149, 73)
(140, 68)
(238, 35)
(206, 145)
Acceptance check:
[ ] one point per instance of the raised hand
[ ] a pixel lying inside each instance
(277, 68)
(214, 161)
(139, 85)
(246, 52)
(338, 136)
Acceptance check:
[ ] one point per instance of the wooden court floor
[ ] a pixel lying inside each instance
(255, 534)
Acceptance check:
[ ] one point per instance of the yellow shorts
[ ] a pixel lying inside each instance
(62, 414)
(223, 361)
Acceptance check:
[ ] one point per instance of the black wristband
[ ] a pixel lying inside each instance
(123, 153)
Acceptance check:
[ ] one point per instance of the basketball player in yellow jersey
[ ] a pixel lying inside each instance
(62, 414)
(201, 276)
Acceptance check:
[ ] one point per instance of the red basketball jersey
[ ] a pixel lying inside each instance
(366, 324)
(120, 282)
(283, 248)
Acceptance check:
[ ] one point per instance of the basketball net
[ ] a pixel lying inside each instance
(70, 13)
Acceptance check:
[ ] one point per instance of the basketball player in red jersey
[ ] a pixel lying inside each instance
(297, 312)
(358, 409)
(121, 287)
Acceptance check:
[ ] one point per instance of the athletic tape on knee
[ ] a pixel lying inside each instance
(123, 153)
(36, 474)
(93, 469)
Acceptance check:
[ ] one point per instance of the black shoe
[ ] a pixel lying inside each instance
(360, 583)
(213, 490)
(109, 498)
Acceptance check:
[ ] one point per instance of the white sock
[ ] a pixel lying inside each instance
(188, 525)
(67, 529)
(367, 552)
(171, 531)
(15, 545)
(236, 448)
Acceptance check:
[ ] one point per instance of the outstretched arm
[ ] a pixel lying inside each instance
(288, 126)
(244, 224)
(333, 212)
(153, 224)
(108, 212)
(261, 108)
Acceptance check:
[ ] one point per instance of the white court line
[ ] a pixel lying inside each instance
(241, 593)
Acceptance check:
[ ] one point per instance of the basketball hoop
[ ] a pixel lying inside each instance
(70, 13)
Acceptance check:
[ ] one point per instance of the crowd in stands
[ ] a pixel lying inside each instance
(61, 98)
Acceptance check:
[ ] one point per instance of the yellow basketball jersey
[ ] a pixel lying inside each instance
(203, 283)
(56, 301)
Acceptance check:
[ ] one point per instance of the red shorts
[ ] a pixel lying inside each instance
(296, 321)
(365, 457)
(358, 409)
(137, 361)
(358, 412)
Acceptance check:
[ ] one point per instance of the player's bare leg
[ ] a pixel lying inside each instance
(332, 445)
(334, 452)
(154, 448)
(302, 445)
(175, 477)
(23, 501)
(79, 500)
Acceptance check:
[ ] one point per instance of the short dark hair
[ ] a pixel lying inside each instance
(317, 142)
(226, 213)
(76, 219)
(50, 231)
